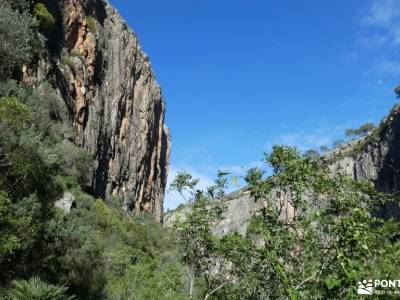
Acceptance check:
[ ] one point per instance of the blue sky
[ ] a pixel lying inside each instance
(239, 76)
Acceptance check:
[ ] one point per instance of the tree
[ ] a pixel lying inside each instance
(312, 155)
(20, 41)
(360, 131)
(319, 251)
(183, 182)
(397, 91)
(194, 231)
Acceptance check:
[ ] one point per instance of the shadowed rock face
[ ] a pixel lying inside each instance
(114, 101)
(375, 158)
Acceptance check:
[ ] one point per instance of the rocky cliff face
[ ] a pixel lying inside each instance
(375, 157)
(114, 101)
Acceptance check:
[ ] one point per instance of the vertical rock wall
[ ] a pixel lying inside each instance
(375, 157)
(114, 100)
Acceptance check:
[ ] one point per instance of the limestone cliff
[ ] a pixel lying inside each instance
(375, 157)
(115, 103)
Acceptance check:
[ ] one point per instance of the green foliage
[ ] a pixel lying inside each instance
(92, 24)
(9, 242)
(20, 5)
(75, 53)
(30, 164)
(397, 91)
(326, 250)
(155, 281)
(183, 182)
(313, 155)
(75, 162)
(13, 114)
(19, 224)
(46, 19)
(329, 242)
(36, 289)
(220, 185)
(99, 251)
(68, 62)
(361, 131)
(194, 231)
(104, 254)
(20, 41)
(254, 176)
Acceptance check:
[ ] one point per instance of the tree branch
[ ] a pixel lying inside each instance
(214, 290)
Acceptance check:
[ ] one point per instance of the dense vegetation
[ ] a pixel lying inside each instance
(95, 252)
(329, 242)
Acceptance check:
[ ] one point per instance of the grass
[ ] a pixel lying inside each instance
(67, 61)
(75, 53)
(92, 24)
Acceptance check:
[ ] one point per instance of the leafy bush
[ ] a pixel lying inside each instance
(45, 18)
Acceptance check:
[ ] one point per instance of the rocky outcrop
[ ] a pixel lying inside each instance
(66, 203)
(238, 209)
(375, 157)
(115, 103)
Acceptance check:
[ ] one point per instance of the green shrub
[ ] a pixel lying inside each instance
(92, 24)
(360, 131)
(36, 289)
(45, 18)
(67, 61)
(13, 114)
(75, 162)
(101, 252)
(75, 53)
